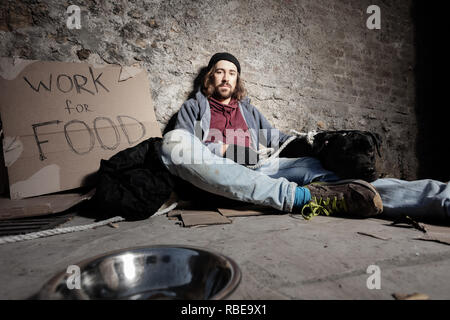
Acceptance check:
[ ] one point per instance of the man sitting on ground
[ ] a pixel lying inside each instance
(217, 135)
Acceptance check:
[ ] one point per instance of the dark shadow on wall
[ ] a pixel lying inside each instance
(171, 124)
(197, 84)
(198, 81)
(433, 133)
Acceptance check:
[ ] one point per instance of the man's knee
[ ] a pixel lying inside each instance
(178, 147)
(175, 139)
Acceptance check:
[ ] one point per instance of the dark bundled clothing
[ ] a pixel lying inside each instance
(133, 183)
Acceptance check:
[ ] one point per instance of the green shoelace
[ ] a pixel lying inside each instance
(323, 207)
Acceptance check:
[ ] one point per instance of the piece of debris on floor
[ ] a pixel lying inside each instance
(412, 296)
(373, 235)
(113, 225)
(407, 222)
(439, 234)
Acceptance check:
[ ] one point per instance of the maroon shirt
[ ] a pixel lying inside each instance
(226, 119)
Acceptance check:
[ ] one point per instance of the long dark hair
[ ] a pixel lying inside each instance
(208, 85)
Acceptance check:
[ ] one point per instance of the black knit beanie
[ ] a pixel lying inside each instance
(224, 56)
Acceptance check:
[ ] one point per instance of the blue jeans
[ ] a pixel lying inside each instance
(274, 183)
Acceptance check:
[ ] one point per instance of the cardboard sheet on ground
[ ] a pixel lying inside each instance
(192, 217)
(244, 211)
(60, 119)
(199, 217)
(39, 206)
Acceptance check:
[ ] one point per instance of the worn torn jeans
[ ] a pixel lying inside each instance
(274, 183)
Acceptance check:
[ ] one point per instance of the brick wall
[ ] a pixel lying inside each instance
(310, 64)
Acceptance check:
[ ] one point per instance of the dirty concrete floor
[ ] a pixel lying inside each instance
(280, 257)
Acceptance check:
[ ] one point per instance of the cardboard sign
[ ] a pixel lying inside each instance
(60, 119)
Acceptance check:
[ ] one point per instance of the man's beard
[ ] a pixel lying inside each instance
(222, 95)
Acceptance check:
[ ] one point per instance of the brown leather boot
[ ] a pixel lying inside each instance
(356, 198)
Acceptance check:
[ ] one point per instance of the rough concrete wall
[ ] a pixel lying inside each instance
(310, 64)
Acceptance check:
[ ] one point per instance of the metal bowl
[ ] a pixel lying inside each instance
(156, 272)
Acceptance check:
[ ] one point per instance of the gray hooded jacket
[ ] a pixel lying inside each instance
(195, 117)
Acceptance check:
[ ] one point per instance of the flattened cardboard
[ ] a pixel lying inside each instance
(194, 218)
(38, 206)
(204, 215)
(60, 119)
(178, 212)
(175, 213)
(246, 211)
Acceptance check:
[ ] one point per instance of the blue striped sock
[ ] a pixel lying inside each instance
(302, 197)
